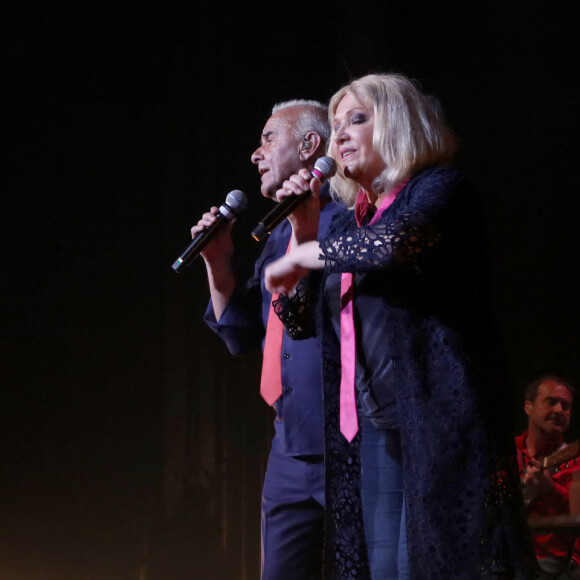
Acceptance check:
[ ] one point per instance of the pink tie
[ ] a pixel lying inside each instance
(271, 381)
(348, 414)
(348, 417)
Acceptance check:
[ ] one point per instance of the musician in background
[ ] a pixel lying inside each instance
(548, 403)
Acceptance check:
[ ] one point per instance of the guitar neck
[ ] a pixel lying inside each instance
(563, 455)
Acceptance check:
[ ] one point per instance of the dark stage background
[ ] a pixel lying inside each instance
(132, 444)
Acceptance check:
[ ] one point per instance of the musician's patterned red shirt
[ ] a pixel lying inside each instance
(548, 545)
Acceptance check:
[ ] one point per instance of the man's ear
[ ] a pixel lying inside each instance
(308, 145)
(528, 407)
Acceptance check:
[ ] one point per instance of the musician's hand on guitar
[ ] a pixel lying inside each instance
(536, 481)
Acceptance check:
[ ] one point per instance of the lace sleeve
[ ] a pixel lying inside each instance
(296, 310)
(380, 245)
(429, 208)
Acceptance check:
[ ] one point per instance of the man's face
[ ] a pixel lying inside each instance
(278, 157)
(549, 414)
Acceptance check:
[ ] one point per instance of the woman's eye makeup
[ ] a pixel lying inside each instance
(358, 118)
(355, 119)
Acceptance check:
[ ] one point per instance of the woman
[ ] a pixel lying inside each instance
(427, 456)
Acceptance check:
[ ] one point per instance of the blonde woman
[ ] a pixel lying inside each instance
(418, 433)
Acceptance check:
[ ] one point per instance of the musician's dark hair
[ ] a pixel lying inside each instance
(532, 389)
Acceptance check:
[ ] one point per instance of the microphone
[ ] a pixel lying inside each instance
(234, 205)
(324, 168)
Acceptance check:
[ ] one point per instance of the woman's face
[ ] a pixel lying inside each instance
(352, 144)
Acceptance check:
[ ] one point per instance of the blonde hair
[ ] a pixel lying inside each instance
(409, 131)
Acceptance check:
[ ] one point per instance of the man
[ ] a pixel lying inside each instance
(546, 477)
(293, 494)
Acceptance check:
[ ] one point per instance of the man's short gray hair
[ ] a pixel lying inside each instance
(314, 117)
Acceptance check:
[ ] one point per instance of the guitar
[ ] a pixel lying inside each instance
(552, 463)
(565, 453)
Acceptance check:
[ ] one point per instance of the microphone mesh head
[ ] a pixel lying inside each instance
(236, 200)
(326, 165)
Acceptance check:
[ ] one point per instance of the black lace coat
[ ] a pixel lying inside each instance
(464, 516)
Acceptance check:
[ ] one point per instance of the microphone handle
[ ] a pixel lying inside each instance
(277, 215)
(198, 243)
